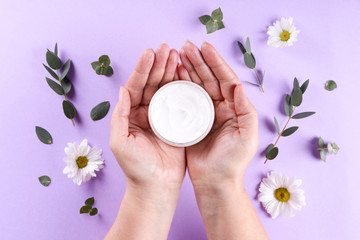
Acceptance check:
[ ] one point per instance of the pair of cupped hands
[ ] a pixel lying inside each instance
(220, 159)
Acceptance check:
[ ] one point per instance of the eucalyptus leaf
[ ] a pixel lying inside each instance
(98, 70)
(249, 60)
(211, 27)
(52, 60)
(108, 71)
(271, 146)
(43, 135)
(93, 212)
(85, 209)
(242, 48)
(54, 86)
(277, 126)
(69, 109)
(303, 115)
(272, 153)
(254, 84)
(323, 155)
(45, 180)
(105, 60)
(100, 111)
(321, 142)
(248, 46)
(205, 19)
(90, 201)
(288, 106)
(65, 69)
(66, 85)
(330, 85)
(296, 83)
(217, 14)
(95, 65)
(289, 131)
(52, 73)
(296, 97)
(56, 49)
(220, 25)
(304, 86)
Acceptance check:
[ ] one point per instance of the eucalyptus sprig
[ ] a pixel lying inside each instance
(291, 103)
(102, 67)
(64, 85)
(331, 148)
(213, 22)
(250, 62)
(87, 208)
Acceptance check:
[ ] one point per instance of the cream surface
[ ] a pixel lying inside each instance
(181, 113)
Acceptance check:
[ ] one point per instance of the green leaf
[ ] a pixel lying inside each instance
(93, 212)
(249, 60)
(323, 155)
(296, 83)
(43, 135)
(108, 71)
(66, 85)
(98, 70)
(304, 86)
(242, 48)
(85, 209)
(296, 97)
(52, 60)
(330, 85)
(105, 60)
(253, 83)
(248, 46)
(52, 73)
(220, 25)
(276, 126)
(205, 19)
(65, 69)
(321, 142)
(335, 148)
(95, 65)
(217, 14)
(272, 153)
(45, 180)
(289, 131)
(303, 115)
(90, 201)
(56, 49)
(271, 146)
(211, 27)
(288, 106)
(54, 86)
(69, 109)
(100, 111)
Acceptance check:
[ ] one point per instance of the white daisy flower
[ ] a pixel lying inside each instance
(283, 33)
(82, 161)
(281, 194)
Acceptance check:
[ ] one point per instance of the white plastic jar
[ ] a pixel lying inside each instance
(181, 113)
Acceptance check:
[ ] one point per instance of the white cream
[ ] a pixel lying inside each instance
(181, 113)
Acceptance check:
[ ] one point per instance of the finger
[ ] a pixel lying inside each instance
(170, 69)
(189, 68)
(176, 76)
(139, 76)
(226, 76)
(120, 118)
(156, 73)
(211, 84)
(183, 73)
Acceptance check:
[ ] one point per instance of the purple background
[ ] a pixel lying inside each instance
(328, 48)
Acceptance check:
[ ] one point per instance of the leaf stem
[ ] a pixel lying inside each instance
(282, 130)
(57, 71)
(321, 149)
(260, 84)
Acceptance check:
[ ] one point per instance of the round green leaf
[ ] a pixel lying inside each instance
(43, 135)
(321, 142)
(296, 83)
(52, 73)
(66, 85)
(220, 25)
(45, 180)
(205, 19)
(108, 71)
(289, 131)
(90, 201)
(65, 69)
(85, 209)
(53, 61)
(54, 86)
(303, 115)
(249, 60)
(217, 14)
(304, 86)
(100, 111)
(271, 146)
(272, 153)
(69, 109)
(323, 155)
(296, 97)
(105, 60)
(288, 106)
(211, 27)
(93, 212)
(95, 65)
(330, 85)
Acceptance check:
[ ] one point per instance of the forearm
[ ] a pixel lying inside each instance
(145, 214)
(228, 213)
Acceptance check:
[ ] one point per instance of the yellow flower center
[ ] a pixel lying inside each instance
(284, 36)
(282, 194)
(81, 161)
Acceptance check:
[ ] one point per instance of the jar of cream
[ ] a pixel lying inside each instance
(181, 113)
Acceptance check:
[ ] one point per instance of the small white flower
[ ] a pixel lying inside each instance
(283, 33)
(82, 161)
(281, 194)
